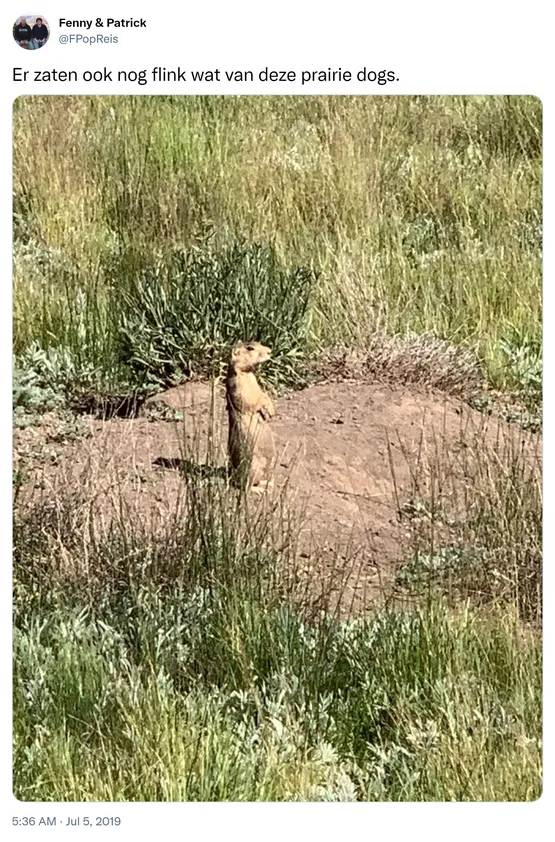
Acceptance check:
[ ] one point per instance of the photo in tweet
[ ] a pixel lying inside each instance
(277, 448)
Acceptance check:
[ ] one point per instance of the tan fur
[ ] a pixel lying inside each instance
(251, 446)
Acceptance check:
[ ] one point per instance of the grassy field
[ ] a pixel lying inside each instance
(150, 233)
(396, 213)
(196, 665)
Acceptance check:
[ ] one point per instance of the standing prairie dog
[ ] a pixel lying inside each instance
(251, 446)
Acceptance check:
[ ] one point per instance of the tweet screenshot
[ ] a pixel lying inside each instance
(276, 493)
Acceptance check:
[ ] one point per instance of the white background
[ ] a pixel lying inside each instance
(434, 48)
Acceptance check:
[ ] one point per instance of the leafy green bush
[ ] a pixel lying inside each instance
(180, 313)
(54, 378)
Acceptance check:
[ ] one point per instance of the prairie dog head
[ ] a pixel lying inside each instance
(247, 355)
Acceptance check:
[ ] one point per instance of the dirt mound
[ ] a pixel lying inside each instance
(351, 455)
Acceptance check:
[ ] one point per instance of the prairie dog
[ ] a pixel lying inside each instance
(251, 446)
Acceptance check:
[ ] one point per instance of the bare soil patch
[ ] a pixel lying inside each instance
(350, 454)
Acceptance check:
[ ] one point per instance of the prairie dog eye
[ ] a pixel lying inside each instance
(250, 347)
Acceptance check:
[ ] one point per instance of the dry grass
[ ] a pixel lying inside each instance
(420, 359)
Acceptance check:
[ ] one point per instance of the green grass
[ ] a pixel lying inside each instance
(416, 213)
(193, 660)
(190, 660)
(421, 705)
(475, 518)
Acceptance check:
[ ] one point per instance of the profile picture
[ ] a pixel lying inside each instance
(31, 32)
